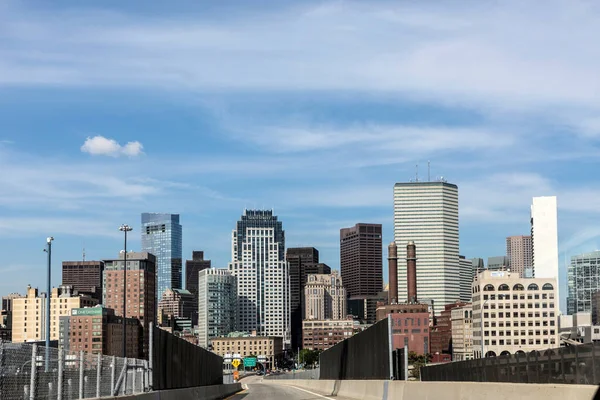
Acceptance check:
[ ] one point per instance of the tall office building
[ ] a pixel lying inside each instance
(161, 237)
(192, 268)
(544, 236)
(583, 280)
(177, 304)
(141, 290)
(325, 297)
(217, 299)
(361, 259)
(427, 213)
(263, 282)
(84, 276)
(466, 278)
(519, 251)
(302, 261)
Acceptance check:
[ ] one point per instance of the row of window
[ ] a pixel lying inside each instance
(518, 287)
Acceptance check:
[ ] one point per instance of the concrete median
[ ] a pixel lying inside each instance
(205, 393)
(400, 390)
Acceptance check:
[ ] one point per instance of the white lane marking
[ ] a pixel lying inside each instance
(313, 393)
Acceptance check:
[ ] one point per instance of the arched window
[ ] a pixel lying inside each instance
(547, 286)
(518, 286)
(505, 353)
(504, 286)
(489, 288)
(466, 314)
(533, 286)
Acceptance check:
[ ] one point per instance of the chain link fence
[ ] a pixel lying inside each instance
(26, 374)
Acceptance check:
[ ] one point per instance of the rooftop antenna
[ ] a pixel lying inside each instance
(417, 174)
(428, 171)
(83, 256)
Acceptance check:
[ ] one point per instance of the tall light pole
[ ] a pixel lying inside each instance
(48, 297)
(125, 228)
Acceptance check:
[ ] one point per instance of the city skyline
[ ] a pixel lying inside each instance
(318, 129)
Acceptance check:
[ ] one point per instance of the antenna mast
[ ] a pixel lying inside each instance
(428, 171)
(417, 173)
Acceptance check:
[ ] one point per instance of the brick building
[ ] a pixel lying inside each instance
(141, 289)
(321, 335)
(84, 276)
(441, 333)
(98, 330)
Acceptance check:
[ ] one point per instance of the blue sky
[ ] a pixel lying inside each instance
(313, 108)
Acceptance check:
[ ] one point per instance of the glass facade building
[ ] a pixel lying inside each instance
(583, 280)
(161, 236)
(217, 299)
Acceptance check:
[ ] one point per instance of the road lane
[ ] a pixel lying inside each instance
(258, 390)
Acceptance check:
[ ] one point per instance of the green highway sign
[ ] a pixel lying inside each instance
(250, 362)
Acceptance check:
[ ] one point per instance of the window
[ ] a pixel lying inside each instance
(547, 286)
(518, 286)
(533, 286)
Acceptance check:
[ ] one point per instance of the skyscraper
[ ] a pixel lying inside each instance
(217, 299)
(84, 276)
(427, 213)
(466, 278)
(361, 259)
(141, 290)
(519, 251)
(544, 236)
(325, 297)
(263, 285)
(192, 268)
(301, 261)
(583, 280)
(161, 237)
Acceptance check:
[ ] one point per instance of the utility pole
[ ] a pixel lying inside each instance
(125, 228)
(48, 297)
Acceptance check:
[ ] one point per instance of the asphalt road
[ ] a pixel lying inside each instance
(257, 390)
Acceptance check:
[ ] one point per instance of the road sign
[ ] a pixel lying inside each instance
(236, 363)
(250, 362)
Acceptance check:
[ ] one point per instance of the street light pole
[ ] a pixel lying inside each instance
(48, 297)
(125, 228)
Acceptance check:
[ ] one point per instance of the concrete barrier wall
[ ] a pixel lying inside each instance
(399, 390)
(205, 393)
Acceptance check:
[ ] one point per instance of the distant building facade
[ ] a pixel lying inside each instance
(518, 314)
(141, 290)
(217, 299)
(361, 259)
(427, 213)
(583, 280)
(325, 297)
(519, 250)
(29, 312)
(323, 334)
(441, 335)
(6, 310)
(192, 268)
(177, 304)
(462, 332)
(270, 347)
(298, 258)
(466, 278)
(84, 276)
(162, 237)
(364, 308)
(98, 330)
(498, 263)
(258, 262)
(544, 237)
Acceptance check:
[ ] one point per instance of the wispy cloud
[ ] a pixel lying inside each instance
(99, 145)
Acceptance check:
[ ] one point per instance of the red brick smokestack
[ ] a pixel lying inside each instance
(393, 271)
(411, 271)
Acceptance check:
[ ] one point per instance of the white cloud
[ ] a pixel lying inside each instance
(99, 145)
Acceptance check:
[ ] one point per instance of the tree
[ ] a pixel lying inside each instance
(309, 357)
(417, 361)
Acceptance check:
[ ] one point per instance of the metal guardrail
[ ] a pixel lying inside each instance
(69, 376)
